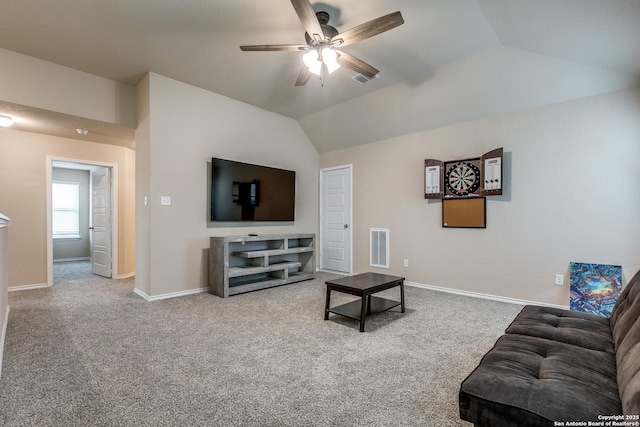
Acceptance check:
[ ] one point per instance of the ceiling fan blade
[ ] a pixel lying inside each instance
(357, 65)
(275, 47)
(368, 29)
(303, 77)
(308, 18)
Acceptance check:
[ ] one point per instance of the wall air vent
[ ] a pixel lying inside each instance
(379, 247)
(362, 79)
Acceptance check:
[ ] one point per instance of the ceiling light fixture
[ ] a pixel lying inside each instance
(319, 58)
(311, 60)
(82, 131)
(330, 59)
(6, 121)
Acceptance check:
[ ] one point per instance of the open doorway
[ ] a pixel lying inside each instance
(81, 220)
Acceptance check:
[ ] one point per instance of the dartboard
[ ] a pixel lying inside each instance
(463, 178)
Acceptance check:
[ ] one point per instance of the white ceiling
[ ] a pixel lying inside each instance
(452, 60)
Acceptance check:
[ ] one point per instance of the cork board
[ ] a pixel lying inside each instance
(464, 213)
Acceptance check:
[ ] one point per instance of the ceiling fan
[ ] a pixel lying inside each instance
(323, 41)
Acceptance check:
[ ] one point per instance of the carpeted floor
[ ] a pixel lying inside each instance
(91, 352)
(67, 272)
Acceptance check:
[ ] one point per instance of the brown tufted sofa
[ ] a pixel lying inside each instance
(557, 367)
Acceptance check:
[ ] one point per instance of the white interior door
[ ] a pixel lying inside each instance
(336, 219)
(101, 222)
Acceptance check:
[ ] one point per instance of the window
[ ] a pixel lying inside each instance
(65, 198)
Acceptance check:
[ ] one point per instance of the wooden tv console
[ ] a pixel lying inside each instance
(239, 264)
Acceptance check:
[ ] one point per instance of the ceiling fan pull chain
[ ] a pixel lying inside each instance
(321, 68)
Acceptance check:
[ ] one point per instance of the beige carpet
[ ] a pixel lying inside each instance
(91, 352)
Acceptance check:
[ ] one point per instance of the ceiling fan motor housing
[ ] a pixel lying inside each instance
(328, 31)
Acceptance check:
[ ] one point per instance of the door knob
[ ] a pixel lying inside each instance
(346, 226)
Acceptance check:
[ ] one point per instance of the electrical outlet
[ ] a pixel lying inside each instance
(559, 279)
(405, 263)
(165, 200)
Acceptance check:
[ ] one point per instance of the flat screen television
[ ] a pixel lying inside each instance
(247, 192)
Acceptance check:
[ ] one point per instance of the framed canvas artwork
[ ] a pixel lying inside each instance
(594, 288)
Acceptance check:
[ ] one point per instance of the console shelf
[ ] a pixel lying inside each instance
(247, 271)
(239, 264)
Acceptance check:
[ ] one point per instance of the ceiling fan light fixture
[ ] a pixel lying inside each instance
(321, 38)
(310, 59)
(6, 121)
(330, 59)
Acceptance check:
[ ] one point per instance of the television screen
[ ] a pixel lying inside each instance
(246, 192)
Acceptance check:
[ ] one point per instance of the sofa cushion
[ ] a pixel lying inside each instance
(626, 311)
(533, 381)
(625, 327)
(628, 359)
(586, 330)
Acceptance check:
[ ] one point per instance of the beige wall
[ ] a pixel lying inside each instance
(4, 297)
(571, 195)
(23, 198)
(143, 187)
(37, 83)
(181, 127)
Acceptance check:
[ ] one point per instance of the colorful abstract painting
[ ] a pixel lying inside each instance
(594, 288)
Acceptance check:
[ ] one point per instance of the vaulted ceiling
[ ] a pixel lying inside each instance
(451, 61)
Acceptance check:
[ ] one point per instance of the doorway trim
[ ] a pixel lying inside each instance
(349, 168)
(114, 210)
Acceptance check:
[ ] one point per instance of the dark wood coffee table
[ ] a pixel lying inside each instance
(364, 285)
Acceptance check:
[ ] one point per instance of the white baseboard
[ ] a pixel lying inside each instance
(27, 287)
(72, 259)
(469, 293)
(141, 293)
(484, 296)
(322, 270)
(169, 295)
(126, 276)
(4, 333)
